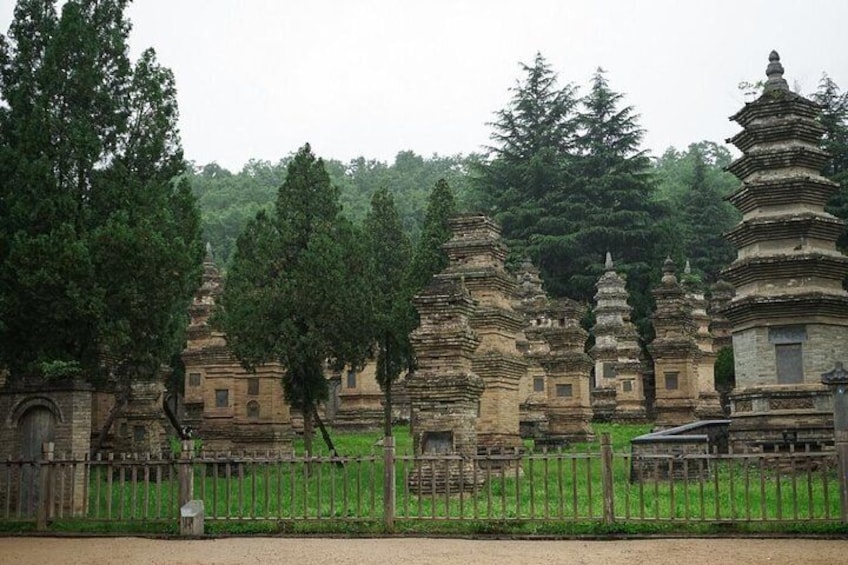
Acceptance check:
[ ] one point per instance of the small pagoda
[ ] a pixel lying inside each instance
(616, 352)
(674, 350)
(532, 302)
(557, 364)
(444, 393)
(476, 255)
(708, 405)
(790, 313)
(226, 406)
(568, 368)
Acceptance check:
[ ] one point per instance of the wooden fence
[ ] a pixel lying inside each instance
(596, 485)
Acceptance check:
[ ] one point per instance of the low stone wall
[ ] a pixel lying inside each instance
(662, 455)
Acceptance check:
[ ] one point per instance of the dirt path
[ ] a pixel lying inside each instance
(312, 551)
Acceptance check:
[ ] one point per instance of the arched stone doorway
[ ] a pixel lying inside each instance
(37, 425)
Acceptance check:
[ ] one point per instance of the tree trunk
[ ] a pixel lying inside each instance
(327, 439)
(121, 402)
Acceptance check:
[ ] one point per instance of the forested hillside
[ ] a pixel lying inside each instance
(566, 176)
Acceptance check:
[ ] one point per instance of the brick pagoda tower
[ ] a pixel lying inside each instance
(790, 314)
(225, 405)
(476, 256)
(708, 406)
(533, 303)
(444, 393)
(616, 353)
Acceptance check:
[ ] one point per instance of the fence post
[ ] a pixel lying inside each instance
(389, 482)
(837, 379)
(606, 477)
(45, 492)
(185, 472)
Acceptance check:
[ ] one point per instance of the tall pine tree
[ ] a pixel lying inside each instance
(834, 118)
(99, 238)
(608, 204)
(429, 258)
(522, 181)
(393, 315)
(297, 289)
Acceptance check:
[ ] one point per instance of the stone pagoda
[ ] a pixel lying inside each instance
(708, 406)
(533, 303)
(616, 353)
(226, 406)
(557, 388)
(476, 256)
(675, 352)
(443, 391)
(568, 368)
(790, 313)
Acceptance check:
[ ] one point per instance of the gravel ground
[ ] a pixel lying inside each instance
(419, 551)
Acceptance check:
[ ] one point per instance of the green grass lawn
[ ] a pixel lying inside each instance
(553, 487)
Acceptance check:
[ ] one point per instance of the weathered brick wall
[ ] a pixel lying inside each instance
(70, 407)
(755, 359)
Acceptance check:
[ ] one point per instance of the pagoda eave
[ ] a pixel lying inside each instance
(788, 227)
(783, 267)
(806, 130)
(784, 158)
(775, 103)
(805, 189)
(754, 311)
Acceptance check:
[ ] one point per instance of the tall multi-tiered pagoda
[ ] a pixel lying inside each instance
(616, 353)
(476, 255)
(675, 352)
(444, 393)
(534, 304)
(790, 313)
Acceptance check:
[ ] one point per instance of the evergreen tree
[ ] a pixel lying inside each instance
(99, 235)
(834, 118)
(707, 216)
(393, 314)
(608, 207)
(297, 288)
(429, 258)
(523, 180)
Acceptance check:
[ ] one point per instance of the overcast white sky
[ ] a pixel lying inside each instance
(258, 78)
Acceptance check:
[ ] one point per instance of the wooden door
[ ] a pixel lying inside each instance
(37, 425)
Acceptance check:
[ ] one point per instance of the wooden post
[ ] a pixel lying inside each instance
(606, 478)
(837, 379)
(45, 494)
(185, 473)
(389, 482)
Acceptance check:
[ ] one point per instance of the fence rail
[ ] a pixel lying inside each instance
(596, 485)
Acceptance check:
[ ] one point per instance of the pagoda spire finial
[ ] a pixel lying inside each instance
(668, 270)
(774, 72)
(608, 264)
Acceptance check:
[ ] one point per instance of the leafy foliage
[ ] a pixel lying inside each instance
(393, 317)
(523, 180)
(568, 183)
(429, 258)
(229, 200)
(834, 118)
(692, 185)
(298, 287)
(99, 236)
